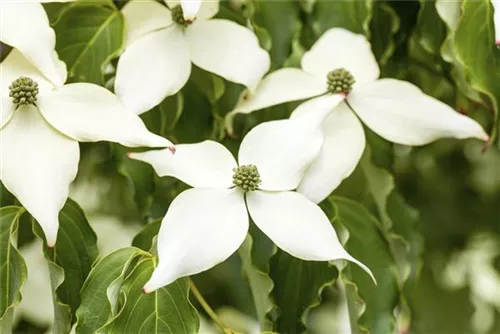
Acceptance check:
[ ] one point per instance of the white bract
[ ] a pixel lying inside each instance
(42, 122)
(340, 73)
(26, 27)
(496, 20)
(206, 224)
(161, 44)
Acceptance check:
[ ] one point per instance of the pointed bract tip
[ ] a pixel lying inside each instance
(497, 43)
(145, 290)
(51, 244)
(172, 149)
(129, 154)
(487, 145)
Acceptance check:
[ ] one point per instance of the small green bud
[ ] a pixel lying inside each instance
(178, 16)
(23, 91)
(247, 178)
(340, 81)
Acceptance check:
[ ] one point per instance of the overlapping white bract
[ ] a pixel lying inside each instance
(33, 36)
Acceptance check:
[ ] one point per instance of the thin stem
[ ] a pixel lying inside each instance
(208, 309)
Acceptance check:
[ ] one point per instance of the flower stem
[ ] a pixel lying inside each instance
(208, 309)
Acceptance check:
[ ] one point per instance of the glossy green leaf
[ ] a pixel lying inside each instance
(70, 262)
(430, 31)
(282, 31)
(450, 13)
(260, 284)
(101, 291)
(353, 15)
(167, 310)
(297, 288)
(6, 198)
(89, 36)
(144, 239)
(209, 84)
(196, 123)
(141, 177)
(384, 25)
(163, 118)
(367, 244)
(13, 270)
(476, 51)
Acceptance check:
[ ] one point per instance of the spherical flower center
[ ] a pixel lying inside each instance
(340, 80)
(178, 16)
(23, 91)
(247, 177)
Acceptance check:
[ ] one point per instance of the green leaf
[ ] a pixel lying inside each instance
(70, 262)
(6, 198)
(13, 270)
(384, 25)
(297, 288)
(450, 12)
(398, 219)
(141, 177)
(476, 51)
(430, 32)
(353, 15)
(281, 31)
(89, 36)
(101, 290)
(260, 284)
(196, 122)
(167, 310)
(163, 118)
(209, 84)
(367, 244)
(144, 239)
(406, 234)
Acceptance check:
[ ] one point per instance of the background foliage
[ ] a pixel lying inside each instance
(425, 220)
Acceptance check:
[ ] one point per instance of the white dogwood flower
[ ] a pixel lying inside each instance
(340, 73)
(41, 124)
(161, 44)
(26, 27)
(206, 224)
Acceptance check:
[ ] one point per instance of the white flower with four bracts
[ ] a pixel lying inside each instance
(339, 76)
(42, 122)
(161, 44)
(206, 224)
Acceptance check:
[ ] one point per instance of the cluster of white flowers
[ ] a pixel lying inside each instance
(284, 167)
